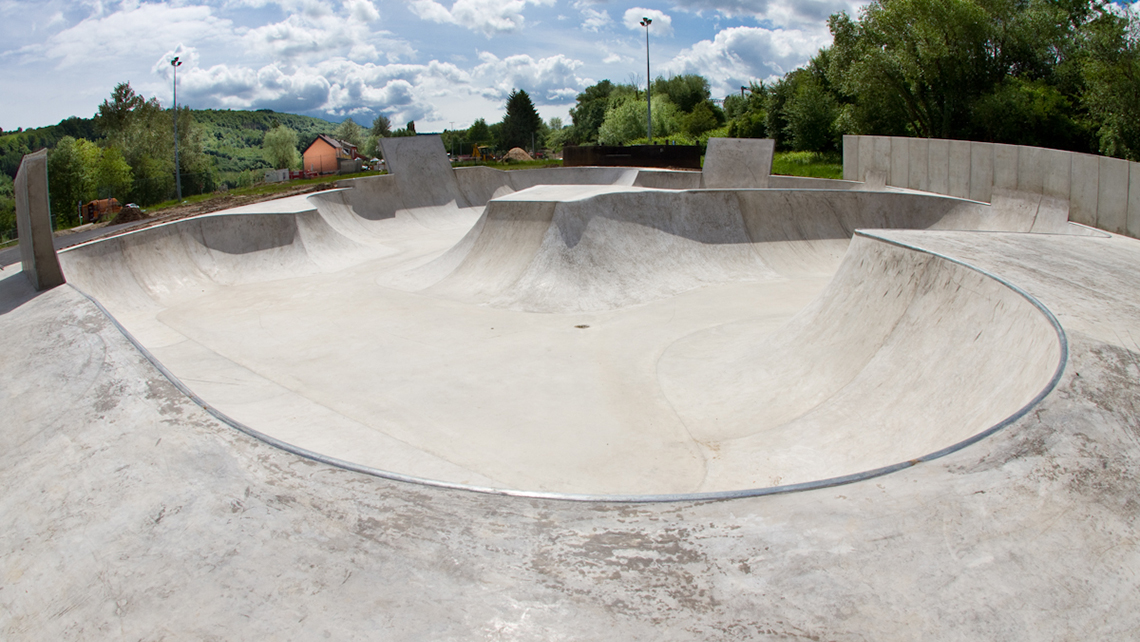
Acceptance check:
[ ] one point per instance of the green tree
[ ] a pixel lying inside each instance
(928, 59)
(625, 123)
(1029, 112)
(810, 109)
(381, 126)
(66, 181)
(479, 133)
(350, 132)
(589, 112)
(1111, 72)
(408, 130)
(116, 113)
(113, 176)
(7, 208)
(686, 91)
(280, 148)
(521, 123)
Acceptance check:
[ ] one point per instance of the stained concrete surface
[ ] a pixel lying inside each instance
(130, 511)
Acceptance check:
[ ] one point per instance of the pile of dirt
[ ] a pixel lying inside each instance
(129, 214)
(517, 154)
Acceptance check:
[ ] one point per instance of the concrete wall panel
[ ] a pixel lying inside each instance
(938, 166)
(981, 171)
(866, 156)
(1029, 174)
(881, 157)
(919, 151)
(900, 162)
(1096, 191)
(959, 170)
(850, 157)
(1134, 200)
(1085, 189)
(1005, 166)
(1056, 169)
(1112, 196)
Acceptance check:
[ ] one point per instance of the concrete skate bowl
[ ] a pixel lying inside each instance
(590, 339)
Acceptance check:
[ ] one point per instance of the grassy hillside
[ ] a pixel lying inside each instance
(231, 138)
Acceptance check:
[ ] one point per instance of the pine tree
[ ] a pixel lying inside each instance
(521, 124)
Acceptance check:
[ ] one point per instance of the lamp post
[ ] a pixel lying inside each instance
(176, 63)
(645, 22)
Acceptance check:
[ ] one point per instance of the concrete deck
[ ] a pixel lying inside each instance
(740, 340)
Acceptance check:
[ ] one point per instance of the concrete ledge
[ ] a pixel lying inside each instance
(33, 222)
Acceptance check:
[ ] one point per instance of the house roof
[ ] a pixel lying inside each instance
(332, 142)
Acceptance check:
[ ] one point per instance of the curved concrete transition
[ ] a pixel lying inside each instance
(587, 335)
(737, 339)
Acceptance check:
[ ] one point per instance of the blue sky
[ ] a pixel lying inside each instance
(441, 63)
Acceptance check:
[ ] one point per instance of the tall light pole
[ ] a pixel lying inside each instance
(176, 63)
(645, 22)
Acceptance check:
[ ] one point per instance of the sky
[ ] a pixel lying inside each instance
(443, 64)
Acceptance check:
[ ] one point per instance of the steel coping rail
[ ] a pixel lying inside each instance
(1063, 359)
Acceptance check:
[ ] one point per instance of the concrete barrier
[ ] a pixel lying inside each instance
(33, 223)
(1097, 191)
(738, 162)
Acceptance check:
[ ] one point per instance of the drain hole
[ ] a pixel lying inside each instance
(581, 327)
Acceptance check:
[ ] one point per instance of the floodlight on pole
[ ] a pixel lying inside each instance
(176, 63)
(645, 22)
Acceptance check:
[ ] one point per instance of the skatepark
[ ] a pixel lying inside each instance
(592, 403)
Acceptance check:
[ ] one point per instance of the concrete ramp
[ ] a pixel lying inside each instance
(738, 163)
(554, 249)
(423, 176)
(904, 353)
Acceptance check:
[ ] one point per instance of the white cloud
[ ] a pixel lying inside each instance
(552, 80)
(592, 19)
(782, 13)
(662, 24)
(739, 55)
(315, 31)
(144, 30)
(491, 17)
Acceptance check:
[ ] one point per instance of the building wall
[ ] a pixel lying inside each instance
(1101, 192)
(320, 157)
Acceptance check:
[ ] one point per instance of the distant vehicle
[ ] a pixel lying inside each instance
(94, 211)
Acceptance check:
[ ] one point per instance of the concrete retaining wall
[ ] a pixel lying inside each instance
(1100, 192)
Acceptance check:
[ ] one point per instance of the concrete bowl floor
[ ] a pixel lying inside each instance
(591, 340)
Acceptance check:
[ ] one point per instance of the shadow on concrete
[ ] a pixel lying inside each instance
(15, 290)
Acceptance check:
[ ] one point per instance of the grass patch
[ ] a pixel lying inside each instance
(810, 164)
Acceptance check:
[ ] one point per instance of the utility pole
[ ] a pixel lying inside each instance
(645, 22)
(176, 63)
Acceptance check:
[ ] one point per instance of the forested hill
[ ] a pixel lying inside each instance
(231, 138)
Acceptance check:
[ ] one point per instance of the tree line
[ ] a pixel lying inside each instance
(1063, 74)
